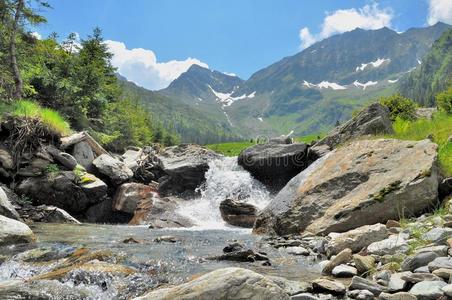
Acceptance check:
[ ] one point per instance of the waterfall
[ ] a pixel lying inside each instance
(224, 179)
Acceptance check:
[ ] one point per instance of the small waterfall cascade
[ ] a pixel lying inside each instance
(224, 179)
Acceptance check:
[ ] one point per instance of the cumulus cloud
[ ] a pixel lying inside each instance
(342, 20)
(36, 35)
(141, 66)
(439, 10)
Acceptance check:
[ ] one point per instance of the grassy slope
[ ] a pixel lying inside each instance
(440, 127)
(234, 148)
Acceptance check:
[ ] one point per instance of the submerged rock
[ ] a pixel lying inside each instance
(14, 232)
(275, 164)
(238, 213)
(227, 283)
(365, 182)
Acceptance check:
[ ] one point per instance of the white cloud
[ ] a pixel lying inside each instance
(439, 10)
(342, 20)
(140, 66)
(230, 74)
(36, 35)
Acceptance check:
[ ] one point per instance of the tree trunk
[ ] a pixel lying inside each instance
(12, 48)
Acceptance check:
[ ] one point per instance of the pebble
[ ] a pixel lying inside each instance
(344, 271)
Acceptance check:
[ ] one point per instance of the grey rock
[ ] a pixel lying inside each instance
(363, 263)
(60, 190)
(6, 208)
(418, 277)
(439, 250)
(356, 239)
(428, 290)
(132, 158)
(95, 189)
(238, 213)
(328, 286)
(359, 283)
(112, 168)
(413, 262)
(374, 119)
(83, 154)
(446, 274)
(438, 235)
(275, 164)
(14, 232)
(185, 166)
(393, 244)
(291, 287)
(397, 296)
(342, 257)
(344, 271)
(304, 296)
(48, 214)
(297, 251)
(440, 262)
(227, 283)
(65, 159)
(360, 295)
(396, 283)
(423, 269)
(371, 186)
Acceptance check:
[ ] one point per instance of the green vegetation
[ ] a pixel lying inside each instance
(230, 149)
(439, 128)
(55, 81)
(399, 107)
(309, 138)
(52, 169)
(50, 118)
(380, 196)
(433, 75)
(444, 100)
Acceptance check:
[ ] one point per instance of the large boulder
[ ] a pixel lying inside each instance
(238, 213)
(115, 170)
(185, 166)
(60, 189)
(275, 164)
(159, 213)
(84, 155)
(227, 283)
(14, 232)
(6, 208)
(374, 119)
(47, 214)
(129, 195)
(365, 182)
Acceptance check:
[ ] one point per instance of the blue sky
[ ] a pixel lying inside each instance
(236, 36)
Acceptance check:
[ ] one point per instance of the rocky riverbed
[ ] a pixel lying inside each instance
(352, 216)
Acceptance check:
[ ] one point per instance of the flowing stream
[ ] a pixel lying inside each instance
(224, 179)
(155, 262)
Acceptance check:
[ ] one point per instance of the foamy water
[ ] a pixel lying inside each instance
(224, 179)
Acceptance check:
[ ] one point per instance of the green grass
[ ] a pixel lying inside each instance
(234, 148)
(230, 149)
(29, 109)
(440, 128)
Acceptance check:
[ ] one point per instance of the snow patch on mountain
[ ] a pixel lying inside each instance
(225, 98)
(374, 64)
(419, 61)
(324, 85)
(393, 81)
(260, 119)
(364, 85)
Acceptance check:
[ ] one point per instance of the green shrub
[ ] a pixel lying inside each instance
(444, 101)
(399, 107)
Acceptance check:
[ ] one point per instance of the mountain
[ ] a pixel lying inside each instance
(433, 75)
(306, 93)
(189, 123)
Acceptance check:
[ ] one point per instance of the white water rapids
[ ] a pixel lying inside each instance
(224, 179)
